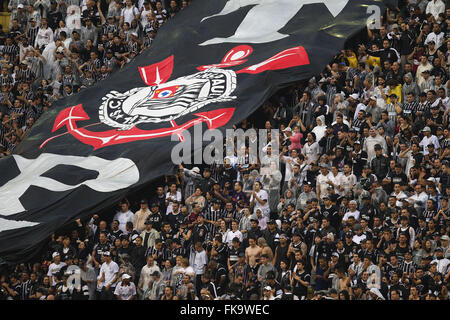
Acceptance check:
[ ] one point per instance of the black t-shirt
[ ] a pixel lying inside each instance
(233, 254)
(156, 219)
(299, 289)
(99, 249)
(222, 254)
(199, 233)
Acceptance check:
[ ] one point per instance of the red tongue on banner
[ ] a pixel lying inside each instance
(289, 58)
(157, 73)
(234, 57)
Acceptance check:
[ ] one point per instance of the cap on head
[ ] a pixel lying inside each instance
(126, 276)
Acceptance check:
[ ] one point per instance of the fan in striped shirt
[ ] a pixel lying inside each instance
(159, 252)
(407, 265)
(32, 32)
(5, 77)
(358, 123)
(160, 13)
(11, 49)
(424, 105)
(24, 73)
(411, 106)
(212, 216)
(3, 130)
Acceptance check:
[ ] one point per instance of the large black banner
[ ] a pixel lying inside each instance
(213, 65)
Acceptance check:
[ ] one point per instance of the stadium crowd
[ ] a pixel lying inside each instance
(355, 207)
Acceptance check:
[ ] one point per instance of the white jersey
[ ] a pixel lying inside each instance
(123, 218)
(263, 195)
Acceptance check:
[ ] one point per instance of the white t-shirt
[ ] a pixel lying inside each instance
(337, 180)
(431, 140)
(311, 152)
(348, 182)
(128, 14)
(349, 214)
(123, 218)
(176, 197)
(290, 162)
(110, 270)
(146, 277)
(322, 183)
(199, 261)
(357, 239)
(231, 234)
(53, 269)
(144, 19)
(125, 292)
(263, 195)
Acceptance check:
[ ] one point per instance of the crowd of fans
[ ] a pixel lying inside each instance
(54, 49)
(355, 207)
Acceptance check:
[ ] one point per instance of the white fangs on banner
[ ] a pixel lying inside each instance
(113, 175)
(266, 18)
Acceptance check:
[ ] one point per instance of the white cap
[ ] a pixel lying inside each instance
(288, 129)
(55, 254)
(426, 129)
(126, 276)
(268, 288)
(20, 6)
(196, 169)
(373, 98)
(354, 96)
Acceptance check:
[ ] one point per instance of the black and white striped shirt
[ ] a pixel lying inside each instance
(13, 50)
(94, 65)
(5, 80)
(423, 107)
(133, 46)
(407, 267)
(68, 79)
(410, 107)
(161, 16)
(357, 124)
(213, 215)
(25, 75)
(3, 132)
(161, 255)
(32, 34)
(107, 28)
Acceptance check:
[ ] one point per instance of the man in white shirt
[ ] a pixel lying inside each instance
(124, 216)
(336, 179)
(323, 180)
(146, 274)
(125, 290)
(437, 36)
(352, 212)
(442, 263)
(108, 275)
(428, 139)
(260, 199)
(419, 198)
(141, 216)
(55, 267)
(44, 35)
(233, 233)
(200, 261)
(359, 235)
(435, 7)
